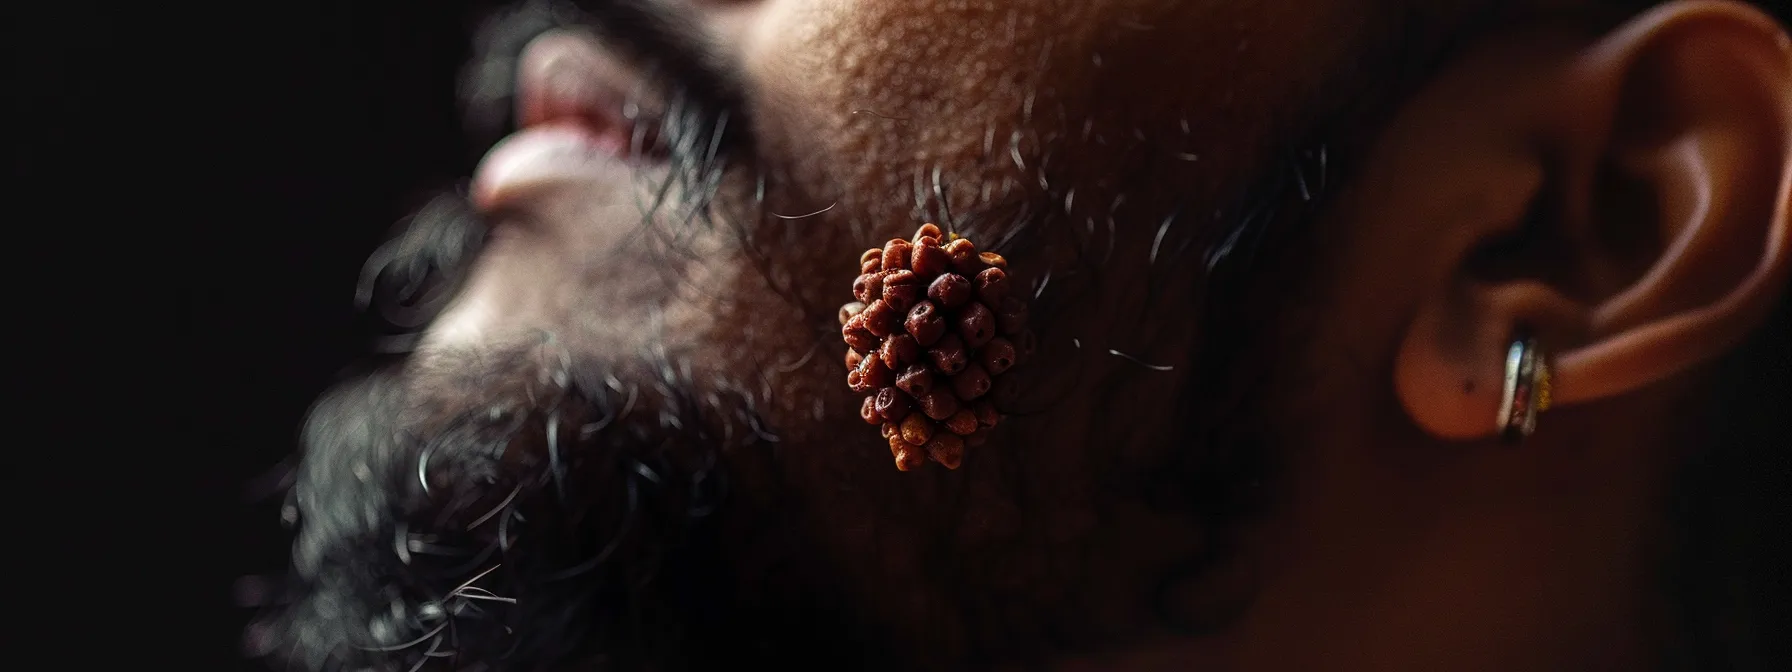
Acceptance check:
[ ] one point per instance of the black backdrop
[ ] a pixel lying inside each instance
(328, 122)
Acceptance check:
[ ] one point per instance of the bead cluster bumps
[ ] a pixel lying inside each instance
(933, 325)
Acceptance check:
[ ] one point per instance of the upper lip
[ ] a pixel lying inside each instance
(568, 77)
(580, 111)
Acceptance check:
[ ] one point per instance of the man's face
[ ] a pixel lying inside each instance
(1108, 148)
(654, 311)
(1038, 127)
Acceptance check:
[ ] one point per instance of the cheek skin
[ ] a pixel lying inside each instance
(1003, 100)
(863, 107)
(868, 108)
(857, 105)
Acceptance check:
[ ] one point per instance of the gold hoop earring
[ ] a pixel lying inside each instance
(1527, 390)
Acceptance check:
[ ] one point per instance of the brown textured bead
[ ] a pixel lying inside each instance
(901, 290)
(857, 335)
(992, 286)
(901, 298)
(946, 449)
(929, 259)
(963, 254)
(850, 309)
(891, 404)
(985, 411)
(925, 323)
(961, 423)
(939, 404)
(896, 254)
(975, 323)
(861, 286)
(935, 326)
(868, 412)
(972, 383)
(881, 319)
(1011, 318)
(949, 355)
(899, 351)
(868, 287)
(997, 356)
(950, 290)
(917, 429)
(872, 374)
(916, 380)
(909, 457)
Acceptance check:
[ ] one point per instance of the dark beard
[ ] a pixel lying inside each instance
(506, 507)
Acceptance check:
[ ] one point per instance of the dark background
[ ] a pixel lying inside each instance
(252, 154)
(349, 121)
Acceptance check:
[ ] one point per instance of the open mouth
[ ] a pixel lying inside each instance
(581, 114)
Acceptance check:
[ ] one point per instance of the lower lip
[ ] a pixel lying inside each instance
(541, 157)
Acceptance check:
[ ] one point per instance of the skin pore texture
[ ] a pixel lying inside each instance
(1276, 249)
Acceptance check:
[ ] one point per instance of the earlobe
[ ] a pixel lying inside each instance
(1657, 238)
(1450, 372)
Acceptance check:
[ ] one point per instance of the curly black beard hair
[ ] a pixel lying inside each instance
(548, 522)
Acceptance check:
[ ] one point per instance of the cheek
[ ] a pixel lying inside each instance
(875, 96)
(873, 110)
(871, 103)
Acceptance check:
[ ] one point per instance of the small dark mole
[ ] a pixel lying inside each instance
(1468, 386)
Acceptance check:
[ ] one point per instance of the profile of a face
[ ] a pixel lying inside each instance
(1277, 256)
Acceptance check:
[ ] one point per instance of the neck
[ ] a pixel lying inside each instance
(1398, 555)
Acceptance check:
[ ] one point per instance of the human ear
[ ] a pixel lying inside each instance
(1630, 212)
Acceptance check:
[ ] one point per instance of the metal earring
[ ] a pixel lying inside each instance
(1527, 390)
